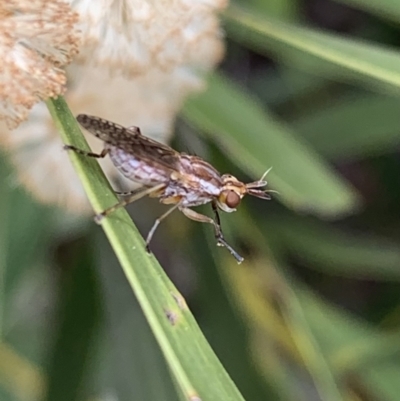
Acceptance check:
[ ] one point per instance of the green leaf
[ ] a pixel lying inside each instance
(133, 365)
(330, 344)
(194, 366)
(76, 324)
(24, 226)
(383, 379)
(389, 9)
(354, 127)
(326, 53)
(349, 343)
(255, 141)
(285, 9)
(259, 300)
(334, 251)
(220, 323)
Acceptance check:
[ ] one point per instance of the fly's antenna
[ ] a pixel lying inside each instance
(259, 183)
(265, 174)
(272, 191)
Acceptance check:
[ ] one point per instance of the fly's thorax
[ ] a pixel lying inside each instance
(199, 176)
(231, 194)
(179, 191)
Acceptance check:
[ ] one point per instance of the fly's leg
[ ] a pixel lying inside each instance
(217, 226)
(218, 230)
(156, 224)
(136, 196)
(103, 153)
(191, 214)
(218, 233)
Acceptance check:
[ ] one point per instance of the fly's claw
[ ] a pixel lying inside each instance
(98, 218)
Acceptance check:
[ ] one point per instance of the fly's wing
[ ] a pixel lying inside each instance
(130, 141)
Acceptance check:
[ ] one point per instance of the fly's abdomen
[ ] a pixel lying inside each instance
(138, 170)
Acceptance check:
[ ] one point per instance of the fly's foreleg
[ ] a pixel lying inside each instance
(103, 153)
(218, 229)
(219, 235)
(191, 214)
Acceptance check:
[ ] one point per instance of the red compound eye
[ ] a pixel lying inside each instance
(232, 199)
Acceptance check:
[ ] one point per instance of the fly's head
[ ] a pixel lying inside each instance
(234, 190)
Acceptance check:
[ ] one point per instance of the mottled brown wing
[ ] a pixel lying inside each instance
(130, 140)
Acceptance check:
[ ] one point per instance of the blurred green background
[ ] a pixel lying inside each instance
(310, 88)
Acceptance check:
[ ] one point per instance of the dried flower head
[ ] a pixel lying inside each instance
(37, 38)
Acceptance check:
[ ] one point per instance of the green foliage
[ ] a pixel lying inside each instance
(253, 138)
(312, 313)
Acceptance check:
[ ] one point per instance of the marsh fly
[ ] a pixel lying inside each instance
(181, 180)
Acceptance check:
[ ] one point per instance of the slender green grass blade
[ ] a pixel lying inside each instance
(372, 64)
(134, 365)
(77, 320)
(389, 9)
(308, 350)
(193, 364)
(357, 126)
(336, 251)
(383, 379)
